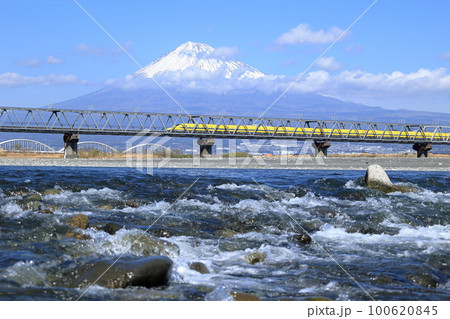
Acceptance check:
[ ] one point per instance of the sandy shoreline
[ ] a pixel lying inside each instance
(300, 163)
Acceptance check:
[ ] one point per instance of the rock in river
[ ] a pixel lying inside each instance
(111, 228)
(199, 267)
(79, 221)
(377, 178)
(33, 197)
(147, 272)
(52, 191)
(256, 257)
(302, 239)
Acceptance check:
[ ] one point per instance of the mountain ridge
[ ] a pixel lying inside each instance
(204, 83)
(201, 57)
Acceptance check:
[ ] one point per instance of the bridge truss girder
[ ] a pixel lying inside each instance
(60, 121)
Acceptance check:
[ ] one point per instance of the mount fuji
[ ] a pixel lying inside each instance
(205, 80)
(195, 57)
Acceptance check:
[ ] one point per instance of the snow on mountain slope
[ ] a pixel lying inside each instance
(198, 59)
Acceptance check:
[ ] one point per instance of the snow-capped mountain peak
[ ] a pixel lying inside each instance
(198, 59)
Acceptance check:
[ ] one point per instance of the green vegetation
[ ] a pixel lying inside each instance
(236, 154)
(171, 154)
(93, 153)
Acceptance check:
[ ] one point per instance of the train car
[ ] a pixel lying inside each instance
(305, 132)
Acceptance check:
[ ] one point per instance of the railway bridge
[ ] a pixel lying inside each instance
(206, 128)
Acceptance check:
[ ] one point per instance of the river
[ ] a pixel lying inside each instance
(239, 224)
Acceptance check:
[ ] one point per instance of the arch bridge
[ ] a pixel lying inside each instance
(26, 145)
(93, 145)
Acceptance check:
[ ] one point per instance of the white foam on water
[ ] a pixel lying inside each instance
(84, 196)
(195, 203)
(67, 197)
(104, 192)
(255, 188)
(433, 232)
(220, 293)
(254, 206)
(134, 241)
(331, 286)
(426, 239)
(233, 186)
(26, 273)
(430, 196)
(310, 200)
(352, 184)
(230, 268)
(12, 210)
(156, 208)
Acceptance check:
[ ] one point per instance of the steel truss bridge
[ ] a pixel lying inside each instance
(43, 120)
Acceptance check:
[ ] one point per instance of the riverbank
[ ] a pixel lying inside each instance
(300, 163)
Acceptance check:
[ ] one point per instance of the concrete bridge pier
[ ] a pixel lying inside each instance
(321, 148)
(422, 149)
(70, 145)
(206, 145)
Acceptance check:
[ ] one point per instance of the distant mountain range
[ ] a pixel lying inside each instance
(205, 81)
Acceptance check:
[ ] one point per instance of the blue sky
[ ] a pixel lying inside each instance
(399, 51)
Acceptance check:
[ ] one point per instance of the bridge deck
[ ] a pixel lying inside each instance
(40, 120)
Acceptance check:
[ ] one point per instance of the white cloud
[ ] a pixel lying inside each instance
(302, 34)
(328, 64)
(226, 53)
(93, 50)
(29, 63)
(288, 63)
(445, 56)
(52, 60)
(13, 80)
(34, 62)
(363, 84)
(351, 85)
(354, 48)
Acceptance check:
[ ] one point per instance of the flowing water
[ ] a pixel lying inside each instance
(392, 246)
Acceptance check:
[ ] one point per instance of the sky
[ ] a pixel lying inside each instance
(396, 56)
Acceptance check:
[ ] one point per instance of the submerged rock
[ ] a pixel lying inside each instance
(146, 272)
(106, 207)
(76, 235)
(79, 221)
(377, 178)
(319, 298)
(31, 202)
(256, 257)
(158, 232)
(111, 228)
(33, 197)
(30, 205)
(239, 296)
(225, 233)
(145, 244)
(48, 209)
(52, 191)
(302, 238)
(199, 267)
(132, 204)
(424, 280)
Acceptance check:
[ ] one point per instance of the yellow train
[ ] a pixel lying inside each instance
(308, 132)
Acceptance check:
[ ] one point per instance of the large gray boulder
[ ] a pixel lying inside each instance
(147, 272)
(377, 178)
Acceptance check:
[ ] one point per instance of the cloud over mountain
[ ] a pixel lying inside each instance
(302, 34)
(204, 81)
